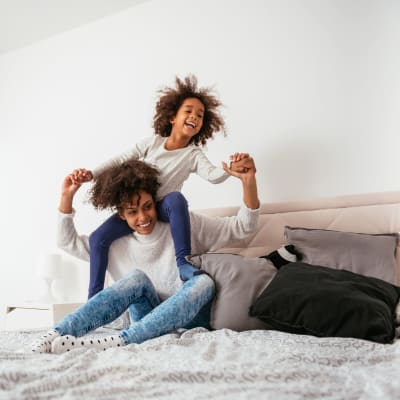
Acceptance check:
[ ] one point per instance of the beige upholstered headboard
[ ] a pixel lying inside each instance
(363, 213)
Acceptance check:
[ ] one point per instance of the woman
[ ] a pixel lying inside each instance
(157, 300)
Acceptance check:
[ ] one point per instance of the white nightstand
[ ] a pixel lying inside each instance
(24, 315)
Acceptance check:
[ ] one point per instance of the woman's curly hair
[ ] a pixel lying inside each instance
(171, 98)
(114, 187)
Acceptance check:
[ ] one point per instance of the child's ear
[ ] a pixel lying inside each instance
(172, 120)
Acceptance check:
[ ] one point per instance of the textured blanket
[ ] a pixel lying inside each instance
(197, 364)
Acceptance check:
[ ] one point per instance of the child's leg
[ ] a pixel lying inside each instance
(99, 242)
(173, 208)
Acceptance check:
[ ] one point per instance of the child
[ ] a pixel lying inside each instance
(186, 117)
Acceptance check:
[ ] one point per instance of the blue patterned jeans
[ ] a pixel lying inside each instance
(187, 308)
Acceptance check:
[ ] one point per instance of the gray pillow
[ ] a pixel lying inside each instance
(239, 281)
(365, 254)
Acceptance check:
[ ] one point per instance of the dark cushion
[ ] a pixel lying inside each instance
(321, 301)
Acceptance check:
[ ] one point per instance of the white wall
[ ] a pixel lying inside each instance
(311, 89)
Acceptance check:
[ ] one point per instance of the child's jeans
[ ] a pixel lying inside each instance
(188, 308)
(173, 208)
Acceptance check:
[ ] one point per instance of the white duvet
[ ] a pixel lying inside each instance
(197, 364)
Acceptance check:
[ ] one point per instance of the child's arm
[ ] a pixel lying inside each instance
(137, 152)
(208, 171)
(239, 162)
(81, 175)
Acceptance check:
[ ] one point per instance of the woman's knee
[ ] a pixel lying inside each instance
(202, 285)
(208, 283)
(135, 279)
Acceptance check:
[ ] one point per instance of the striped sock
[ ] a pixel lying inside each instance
(284, 255)
(66, 343)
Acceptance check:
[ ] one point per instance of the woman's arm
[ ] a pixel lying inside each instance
(248, 178)
(67, 236)
(68, 189)
(213, 233)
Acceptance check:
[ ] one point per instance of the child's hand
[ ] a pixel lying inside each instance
(238, 156)
(81, 175)
(241, 169)
(239, 162)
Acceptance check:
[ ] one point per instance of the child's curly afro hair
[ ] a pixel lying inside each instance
(171, 98)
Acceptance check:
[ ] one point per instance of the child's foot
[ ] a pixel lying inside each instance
(66, 343)
(43, 344)
(188, 271)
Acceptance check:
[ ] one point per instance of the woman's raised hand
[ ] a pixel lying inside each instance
(69, 186)
(73, 181)
(81, 175)
(241, 164)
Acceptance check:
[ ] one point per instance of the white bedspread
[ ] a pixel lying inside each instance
(198, 364)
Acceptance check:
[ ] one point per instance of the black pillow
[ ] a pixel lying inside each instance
(321, 301)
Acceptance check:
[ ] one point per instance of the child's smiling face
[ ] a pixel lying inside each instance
(188, 121)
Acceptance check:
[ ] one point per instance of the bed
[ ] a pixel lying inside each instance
(224, 363)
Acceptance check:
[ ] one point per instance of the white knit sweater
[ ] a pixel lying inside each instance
(155, 253)
(175, 166)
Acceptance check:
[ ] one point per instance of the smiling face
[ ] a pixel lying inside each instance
(141, 213)
(189, 118)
